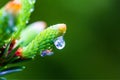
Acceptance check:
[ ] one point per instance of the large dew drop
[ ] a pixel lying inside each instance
(59, 43)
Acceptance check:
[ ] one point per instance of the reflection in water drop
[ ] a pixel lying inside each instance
(46, 53)
(59, 43)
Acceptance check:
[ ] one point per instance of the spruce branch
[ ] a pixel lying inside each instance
(21, 42)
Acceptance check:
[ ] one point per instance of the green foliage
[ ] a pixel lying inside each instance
(43, 41)
(7, 26)
(18, 43)
(23, 16)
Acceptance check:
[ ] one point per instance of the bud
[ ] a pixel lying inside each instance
(44, 40)
(13, 7)
(28, 34)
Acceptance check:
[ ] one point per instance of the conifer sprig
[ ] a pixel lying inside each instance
(21, 42)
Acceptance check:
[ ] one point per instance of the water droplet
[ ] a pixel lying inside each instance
(32, 9)
(27, 21)
(43, 54)
(59, 43)
(32, 1)
(50, 53)
(46, 53)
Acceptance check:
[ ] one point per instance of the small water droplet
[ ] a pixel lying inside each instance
(32, 1)
(27, 21)
(32, 9)
(46, 53)
(50, 53)
(59, 43)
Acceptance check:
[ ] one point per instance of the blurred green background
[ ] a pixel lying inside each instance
(92, 41)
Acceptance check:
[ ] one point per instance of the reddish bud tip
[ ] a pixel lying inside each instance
(13, 6)
(19, 52)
